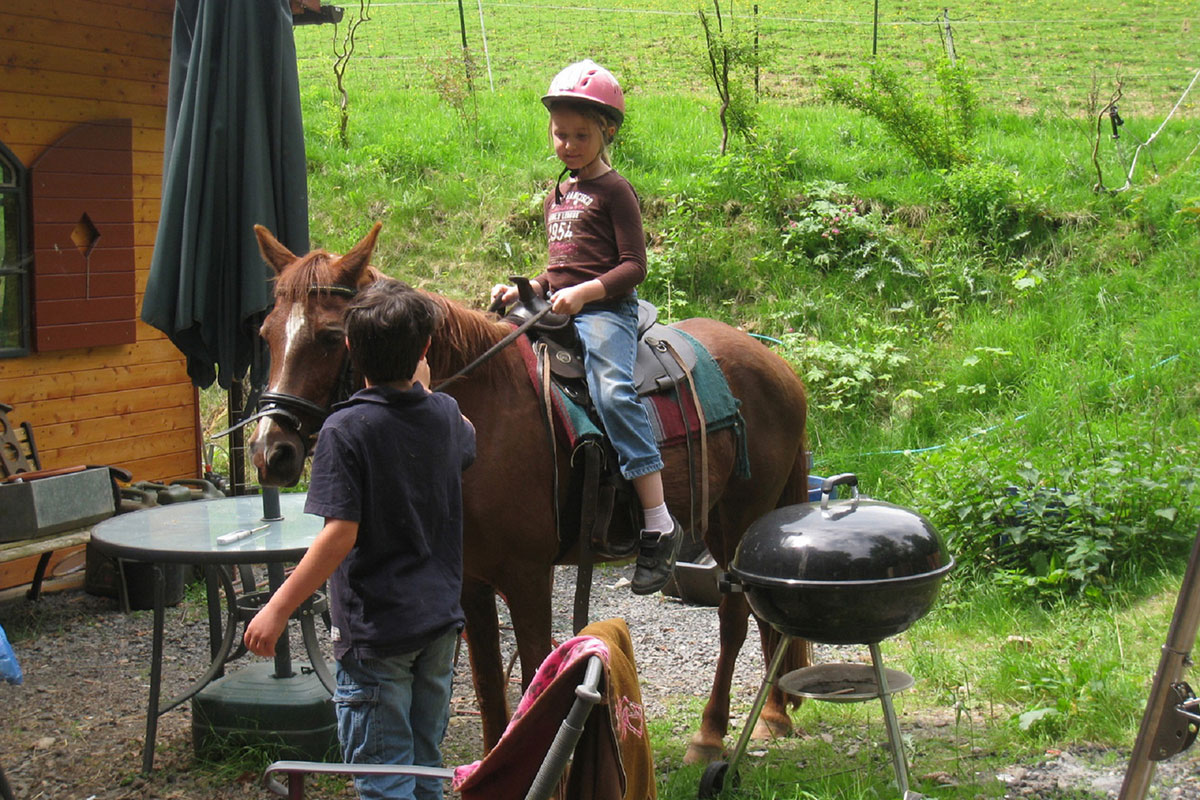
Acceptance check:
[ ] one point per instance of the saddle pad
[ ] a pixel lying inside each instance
(671, 426)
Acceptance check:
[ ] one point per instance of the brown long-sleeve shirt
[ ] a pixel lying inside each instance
(595, 232)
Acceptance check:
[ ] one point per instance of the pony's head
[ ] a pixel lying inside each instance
(307, 343)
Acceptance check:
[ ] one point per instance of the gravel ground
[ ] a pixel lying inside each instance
(74, 729)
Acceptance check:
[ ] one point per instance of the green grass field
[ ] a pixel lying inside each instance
(996, 344)
(1033, 57)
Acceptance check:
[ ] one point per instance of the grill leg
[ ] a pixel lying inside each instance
(759, 701)
(893, 726)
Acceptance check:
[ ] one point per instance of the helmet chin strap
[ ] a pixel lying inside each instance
(558, 198)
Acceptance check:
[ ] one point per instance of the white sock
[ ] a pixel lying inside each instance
(658, 518)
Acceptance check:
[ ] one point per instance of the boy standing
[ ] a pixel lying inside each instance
(387, 478)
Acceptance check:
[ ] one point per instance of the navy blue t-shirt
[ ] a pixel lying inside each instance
(392, 461)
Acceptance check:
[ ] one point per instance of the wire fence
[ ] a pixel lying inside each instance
(1030, 64)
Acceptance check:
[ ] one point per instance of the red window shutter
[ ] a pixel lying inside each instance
(83, 262)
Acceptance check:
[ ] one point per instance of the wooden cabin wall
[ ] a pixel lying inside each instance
(63, 63)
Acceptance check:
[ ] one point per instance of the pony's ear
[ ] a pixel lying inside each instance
(350, 267)
(272, 251)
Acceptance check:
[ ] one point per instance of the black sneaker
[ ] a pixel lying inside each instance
(656, 559)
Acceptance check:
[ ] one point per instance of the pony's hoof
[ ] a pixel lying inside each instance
(770, 728)
(698, 753)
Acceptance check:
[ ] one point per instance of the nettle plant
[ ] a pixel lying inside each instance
(841, 377)
(1064, 518)
(831, 229)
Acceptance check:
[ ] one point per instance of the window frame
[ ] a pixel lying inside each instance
(22, 269)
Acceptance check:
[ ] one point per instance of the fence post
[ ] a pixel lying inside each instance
(949, 35)
(756, 63)
(875, 32)
(462, 26)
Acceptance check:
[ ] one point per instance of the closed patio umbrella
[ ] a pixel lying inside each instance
(234, 157)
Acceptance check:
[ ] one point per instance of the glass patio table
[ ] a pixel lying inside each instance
(213, 534)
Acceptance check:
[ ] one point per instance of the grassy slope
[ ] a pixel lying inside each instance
(1082, 351)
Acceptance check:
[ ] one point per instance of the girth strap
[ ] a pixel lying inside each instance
(583, 571)
(702, 523)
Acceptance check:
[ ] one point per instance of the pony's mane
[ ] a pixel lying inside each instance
(314, 271)
(464, 335)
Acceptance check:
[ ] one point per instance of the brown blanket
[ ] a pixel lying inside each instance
(591, 777)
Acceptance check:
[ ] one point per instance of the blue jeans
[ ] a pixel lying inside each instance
(394, 711)
(609, 350)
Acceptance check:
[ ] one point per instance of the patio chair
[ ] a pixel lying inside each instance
(583, 709)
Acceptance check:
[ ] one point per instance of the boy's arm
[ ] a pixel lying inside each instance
(328, 550)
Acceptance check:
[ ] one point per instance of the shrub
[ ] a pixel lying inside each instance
(992, 204)
(937, 132)
(981, 196)
(831, 229)
(1089, 511)
(841, 377)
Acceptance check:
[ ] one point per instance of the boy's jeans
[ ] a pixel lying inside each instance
(394, 711)
(609, 350)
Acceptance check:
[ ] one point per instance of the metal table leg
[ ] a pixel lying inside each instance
(156, 653)
(155, 708)
(308, 629)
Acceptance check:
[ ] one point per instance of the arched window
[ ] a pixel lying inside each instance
(15, 257)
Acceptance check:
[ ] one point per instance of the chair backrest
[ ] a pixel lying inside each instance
(18, 452)
(544, 782)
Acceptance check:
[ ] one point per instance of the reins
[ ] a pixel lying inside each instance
(491, 351)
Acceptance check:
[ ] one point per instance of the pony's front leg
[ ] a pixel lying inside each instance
(708, 743)
(529, 607)
(487, 668)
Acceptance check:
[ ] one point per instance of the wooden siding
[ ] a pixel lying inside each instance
(64, 63)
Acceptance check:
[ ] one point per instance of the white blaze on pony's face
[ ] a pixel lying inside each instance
(295, 326)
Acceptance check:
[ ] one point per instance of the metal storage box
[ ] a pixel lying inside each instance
(54, 504)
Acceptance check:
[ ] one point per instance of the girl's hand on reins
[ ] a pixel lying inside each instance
(504, 293)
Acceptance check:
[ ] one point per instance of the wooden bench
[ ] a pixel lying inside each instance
(41, 548)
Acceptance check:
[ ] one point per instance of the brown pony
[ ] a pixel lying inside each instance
(511, 543)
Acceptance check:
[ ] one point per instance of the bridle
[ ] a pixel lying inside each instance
(299, 414)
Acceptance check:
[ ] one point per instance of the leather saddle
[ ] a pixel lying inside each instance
(656, 368)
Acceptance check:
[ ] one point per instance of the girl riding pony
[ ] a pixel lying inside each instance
(597, 257)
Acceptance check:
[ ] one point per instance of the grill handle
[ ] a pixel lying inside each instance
(848, 479)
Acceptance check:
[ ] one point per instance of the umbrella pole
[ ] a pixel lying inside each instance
(237, 439)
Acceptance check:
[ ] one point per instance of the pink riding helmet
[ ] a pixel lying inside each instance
(588, 82)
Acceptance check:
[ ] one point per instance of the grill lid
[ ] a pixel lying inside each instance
(854, 541)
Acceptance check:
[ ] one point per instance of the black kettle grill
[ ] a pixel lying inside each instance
(852, 571)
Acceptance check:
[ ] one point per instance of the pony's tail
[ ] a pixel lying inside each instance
(796, 489)
(798, 656)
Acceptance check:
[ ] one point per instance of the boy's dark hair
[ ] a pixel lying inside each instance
(387, 325)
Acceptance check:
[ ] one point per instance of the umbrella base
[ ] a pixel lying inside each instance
(251, 707)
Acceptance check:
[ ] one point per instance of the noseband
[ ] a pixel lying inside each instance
(293, 411)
